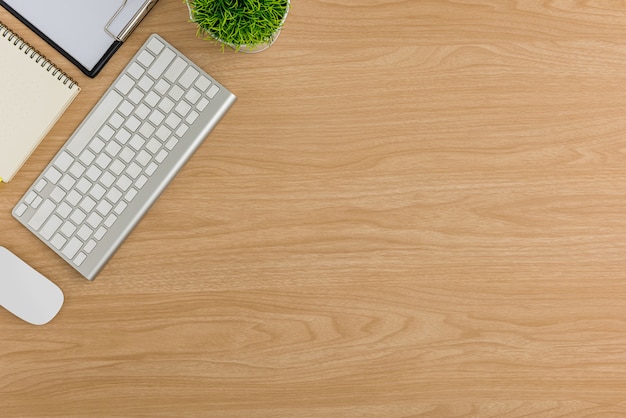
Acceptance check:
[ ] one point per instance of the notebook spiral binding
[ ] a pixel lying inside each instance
(39, 58)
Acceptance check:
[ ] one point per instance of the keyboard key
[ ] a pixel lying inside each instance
(126, 108)
(113, 148)
(67, 182)
(37, 202)
(182, 130)
(136, 71)
(153, 145)
(161, 156)
(202, 104)
(51, 227)
(74, 197)
(172, 121)
(21, 209)
(183, 108)
(203, 83)
(156, 117)
(91, 244)
(163, 133)
(96, 145)
(193, 96)
(30, 197)
(53, 175)
(145, 83)
(93, 173)
(97, 192)
(68, 229)
(133, 123)
(141, 181)
(124, 84)
(135, 96)
(115, 121)
(162, 86)
(86, 158)
(171, 143)
(191, 118)
(155, 46)
(58, 241)
(77, 169)
(102, 161)
(152, 99)
(123, 136)
(145, 58)
(117, 167)
(146, 130)
(114, 195)
(142, 111)
(104, 208)
(78, 216)
(120, 207)
(87, 204)
(175, 69)
(64, 210)
(94, 220)
(58, 194)
(110, 220)
(137, 142)
(72, 247)
(127, 154)
(80, 258)
(213, 91)
(143, 157)
(40, 185)
(100, 233)
(42, 214)
(176, 93)
(84, 232)
(152, 167)
(107, 179)
(161, 63)
(63, 161)
(130, 195)
(83, 185)
(133, 170)
(166, 105)
(188, 77)
(124, 183)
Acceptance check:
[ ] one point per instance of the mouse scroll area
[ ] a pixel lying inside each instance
(25, 292)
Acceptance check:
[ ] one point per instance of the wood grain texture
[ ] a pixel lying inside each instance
(415, 208)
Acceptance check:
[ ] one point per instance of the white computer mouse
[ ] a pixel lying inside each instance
(25, 292)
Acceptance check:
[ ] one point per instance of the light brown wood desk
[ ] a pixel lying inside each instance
(415, 208)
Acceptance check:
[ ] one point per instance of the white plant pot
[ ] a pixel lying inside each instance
(245, 48)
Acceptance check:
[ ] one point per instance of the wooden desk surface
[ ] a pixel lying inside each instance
(414, 208)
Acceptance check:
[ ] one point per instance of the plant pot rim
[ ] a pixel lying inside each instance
(244, 48)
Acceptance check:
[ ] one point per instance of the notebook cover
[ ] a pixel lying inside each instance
(90, 73)
(35, 93)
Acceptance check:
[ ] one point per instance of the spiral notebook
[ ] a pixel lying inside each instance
(34, 93)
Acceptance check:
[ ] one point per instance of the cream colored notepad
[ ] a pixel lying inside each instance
(34, 93)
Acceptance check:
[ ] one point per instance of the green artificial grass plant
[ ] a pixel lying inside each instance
(239, 23)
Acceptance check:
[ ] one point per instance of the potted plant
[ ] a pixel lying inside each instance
(244, 25)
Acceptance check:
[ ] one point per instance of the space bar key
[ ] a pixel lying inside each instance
(93, 122)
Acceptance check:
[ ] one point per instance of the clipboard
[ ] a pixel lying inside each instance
(86, 32)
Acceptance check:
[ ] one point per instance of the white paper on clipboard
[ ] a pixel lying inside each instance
(79, 26)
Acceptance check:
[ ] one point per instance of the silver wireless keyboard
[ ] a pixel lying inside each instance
(118, 161)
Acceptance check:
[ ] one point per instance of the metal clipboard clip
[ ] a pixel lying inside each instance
(132, 23)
